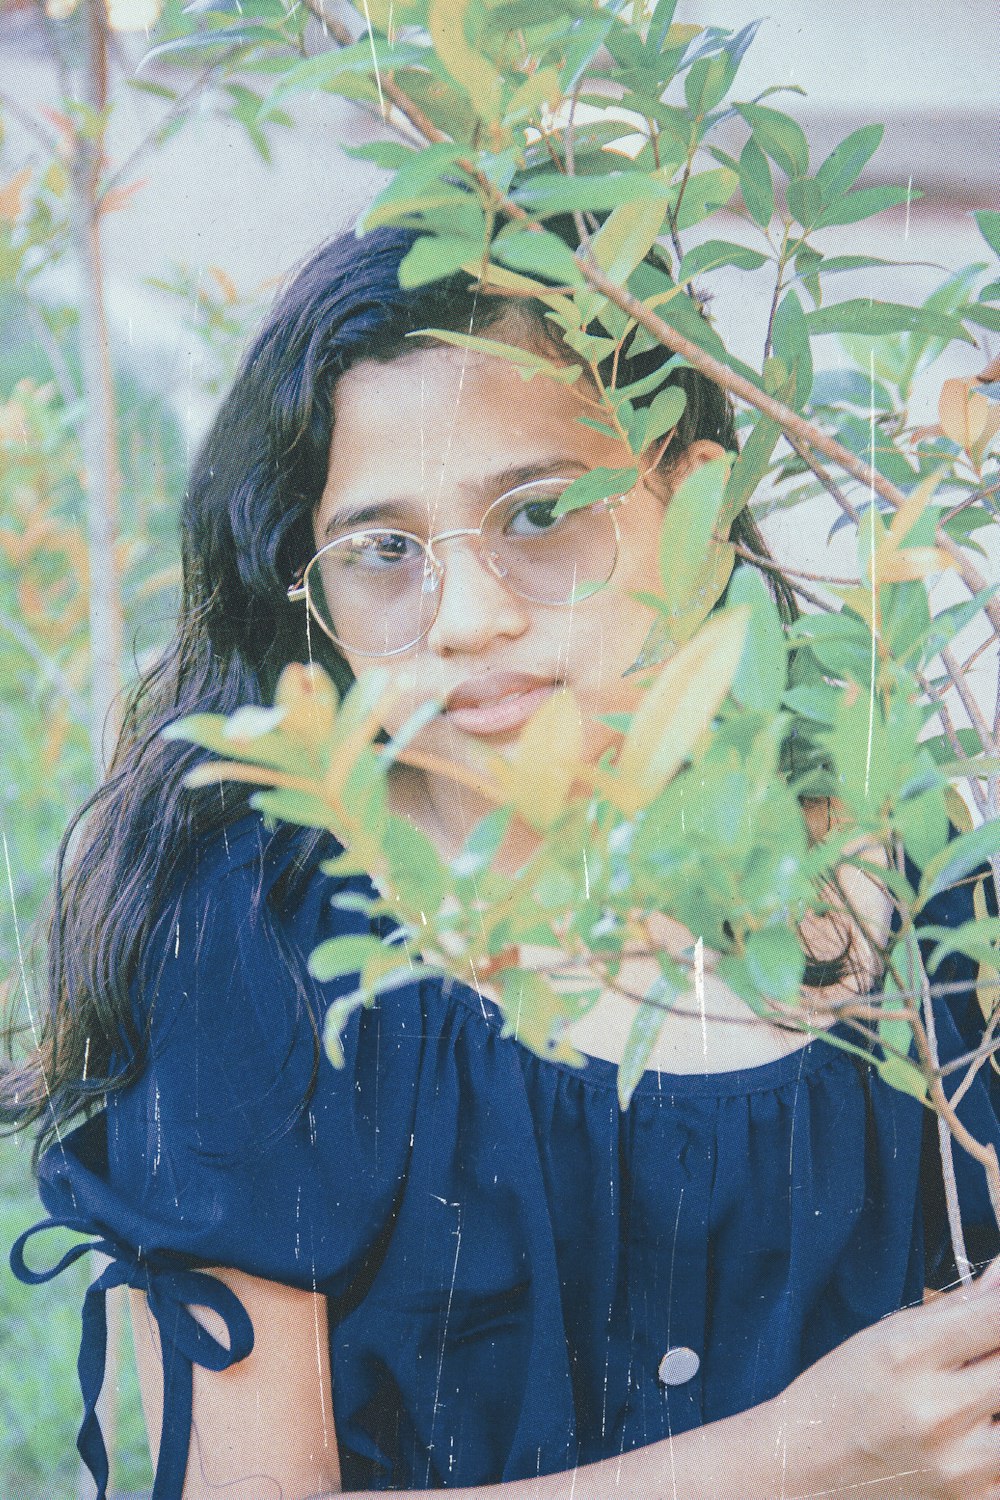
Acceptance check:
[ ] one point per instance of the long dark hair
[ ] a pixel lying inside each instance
(246, 529)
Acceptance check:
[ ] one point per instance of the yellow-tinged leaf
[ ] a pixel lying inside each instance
(309, 700)
(860, 601)
(909, 564)
(539, 776)
(348, 746)
(677, 710)
(963, 412)
(681, 33)
(988, 977)
(958, 810)
(913, 508)
(116, 198)
(226, 285)
(500, 278)
(624, 239)
(469, 68)
(12, 196)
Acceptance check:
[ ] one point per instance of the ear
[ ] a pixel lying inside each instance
(701, 451)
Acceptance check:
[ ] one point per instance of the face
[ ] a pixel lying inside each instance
(426, 443)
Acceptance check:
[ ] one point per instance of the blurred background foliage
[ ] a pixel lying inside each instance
(144, 218)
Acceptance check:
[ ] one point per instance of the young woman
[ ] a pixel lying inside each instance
(452, 1264)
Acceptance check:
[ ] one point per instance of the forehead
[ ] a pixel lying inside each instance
(433, 427)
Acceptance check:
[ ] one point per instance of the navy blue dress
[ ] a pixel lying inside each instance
(507, 1256)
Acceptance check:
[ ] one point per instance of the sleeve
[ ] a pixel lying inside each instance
(239, 1145)
(960, 1025)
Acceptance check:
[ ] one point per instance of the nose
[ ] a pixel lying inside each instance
(475, 607)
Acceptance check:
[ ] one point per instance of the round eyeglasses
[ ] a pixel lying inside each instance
(377, 591)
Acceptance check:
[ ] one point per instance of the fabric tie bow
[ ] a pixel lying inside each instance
(171, 1293)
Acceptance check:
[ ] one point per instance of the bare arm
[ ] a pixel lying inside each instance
(902, 1411)
(263, 1429)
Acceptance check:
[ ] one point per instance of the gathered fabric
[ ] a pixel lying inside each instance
(520, 1277)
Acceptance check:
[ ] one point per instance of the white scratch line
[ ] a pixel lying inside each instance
(319, 1368)
(444, 1335)
(24, 971)
(378, 75)
(871, 571)
(586, 875)
(909, 198)
(699, 989)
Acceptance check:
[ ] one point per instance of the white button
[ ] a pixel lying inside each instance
(678, 1366)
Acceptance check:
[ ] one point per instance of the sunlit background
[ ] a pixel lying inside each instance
(204, 228)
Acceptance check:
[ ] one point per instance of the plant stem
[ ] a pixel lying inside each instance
(945, 1145)
(99, 434)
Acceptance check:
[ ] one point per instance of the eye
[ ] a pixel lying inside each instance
(534, 517)
(379, 550)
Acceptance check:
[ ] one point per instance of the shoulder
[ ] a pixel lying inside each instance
(234, 933)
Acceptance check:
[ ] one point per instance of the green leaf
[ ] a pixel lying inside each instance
(779, 137)
(391, 156)
(433, 257)
(752, 464)
(977, 939)
(818, 703)
(706, 83)
(687, 532)
(556, 193)
(625, 238)
(859, 315)
(756, 184)
(705, 192)
(293, 807)
(863, 203)
(963, 855)
(905, 1077)
(536, 1015)
(804, 201)
(415, 867)
(337, 1017)
(775, 963)
(467, 65)
(540, 254)
(942, 750)
(643, 1033)
(676, 711)
(988, 220)
(524, 361)
(250, 34)
(348, 954)
(923, 824)
(762, 674)
(847, 161)
(662, 414)
(481, 846)
(986, 317)
(791, 344)
(323, 70)
(715, 253)
(600, 483)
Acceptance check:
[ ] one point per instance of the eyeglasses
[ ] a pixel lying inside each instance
(377, 591)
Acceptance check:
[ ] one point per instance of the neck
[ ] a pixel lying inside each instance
(446, 811)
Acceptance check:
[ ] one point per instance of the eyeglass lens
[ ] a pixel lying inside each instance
(377, 591)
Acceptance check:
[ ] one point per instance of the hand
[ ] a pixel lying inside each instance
(905, 1408)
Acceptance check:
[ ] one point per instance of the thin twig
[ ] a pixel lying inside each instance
(179, 107)
(945, 1144)
(824, 476)
(50, 669)
(786, 568)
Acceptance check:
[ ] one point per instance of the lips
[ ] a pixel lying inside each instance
(497, 703)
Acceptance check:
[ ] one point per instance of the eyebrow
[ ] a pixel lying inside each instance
(496, 484)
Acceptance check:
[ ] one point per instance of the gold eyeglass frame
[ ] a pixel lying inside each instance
(299, 590)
